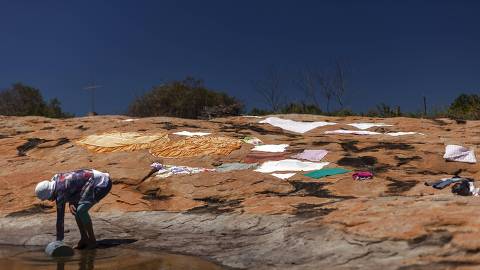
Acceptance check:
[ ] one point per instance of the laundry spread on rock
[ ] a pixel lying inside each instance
(283, 175)
(191, 134)
(459, 153)
(402, 133)
(274, 148)
(289, 165)
(368, 125)
(197, 146)
(236, 166)
(164, 171)
(355, 132)
(311, 155)
(118, 141)
(252, 140)
(326, 172)
(294, 126)
(362, 175)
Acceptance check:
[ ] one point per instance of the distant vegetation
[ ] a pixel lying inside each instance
(465, 107)
(188, 98)
(23, 100)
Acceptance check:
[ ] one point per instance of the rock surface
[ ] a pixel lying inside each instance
(246, 219)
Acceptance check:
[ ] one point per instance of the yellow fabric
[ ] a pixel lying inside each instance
(197, 146)
(117, 141)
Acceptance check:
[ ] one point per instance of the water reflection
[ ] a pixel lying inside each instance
(21, 258)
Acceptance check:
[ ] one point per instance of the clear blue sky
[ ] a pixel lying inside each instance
(397, 50)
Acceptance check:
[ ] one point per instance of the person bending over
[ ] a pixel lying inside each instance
(81, 189)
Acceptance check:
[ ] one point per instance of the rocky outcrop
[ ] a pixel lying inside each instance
(245, 219)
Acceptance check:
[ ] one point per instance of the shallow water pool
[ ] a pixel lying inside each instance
(23, 258)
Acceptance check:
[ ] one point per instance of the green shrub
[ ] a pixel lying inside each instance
(465, 107)
(187, 99)
(23, 100)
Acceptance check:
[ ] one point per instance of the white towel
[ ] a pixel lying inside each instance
(459, 153)
(369, 125)
(293, 165)
(190, 134)
(283, 175)
(356, 132)
(275, 148)
(290, 125)
(395, 134)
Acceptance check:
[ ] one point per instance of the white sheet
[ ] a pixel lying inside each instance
(356, 132)
(294, 126)
(283, 175)
(290, 165)
(395, 134)
(275, 148)
(459, 153)
(369, 125)
(190, 134)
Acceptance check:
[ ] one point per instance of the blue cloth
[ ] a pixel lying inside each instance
(326, 172)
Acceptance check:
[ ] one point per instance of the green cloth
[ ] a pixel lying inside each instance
(326, 172)
(226, 167)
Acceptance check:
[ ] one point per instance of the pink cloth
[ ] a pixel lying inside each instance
(362, 175)
(312, 155)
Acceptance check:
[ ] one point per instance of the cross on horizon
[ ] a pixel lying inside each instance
(92, 87)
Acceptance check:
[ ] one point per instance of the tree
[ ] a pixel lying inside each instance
(465, 107)
(308, 82)
(270, 89)
(330, 83)
(188, 98)
(23, 100)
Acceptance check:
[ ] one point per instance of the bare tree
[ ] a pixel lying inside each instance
(332, 84)
(308, 83)
(339, 81)
(270, 88)
(327, 88)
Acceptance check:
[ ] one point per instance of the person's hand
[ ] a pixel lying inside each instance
(73, 209)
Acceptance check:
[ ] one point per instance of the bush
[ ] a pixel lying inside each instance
(465, 107)
(187, 99)
(22, 100)
(300, 108)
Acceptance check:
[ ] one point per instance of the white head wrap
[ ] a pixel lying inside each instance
(44, 190)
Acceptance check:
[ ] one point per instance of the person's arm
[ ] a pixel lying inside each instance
(60, 220)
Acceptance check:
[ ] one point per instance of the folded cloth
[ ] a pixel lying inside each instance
(362, 175)
(312, 155)
(274, 148)
(294, 126)
(226, 167)
(283, 175)
(459, 153)
(368, 125)
(190, 134)
(326, 172)
(290, 165)
(356, 132)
